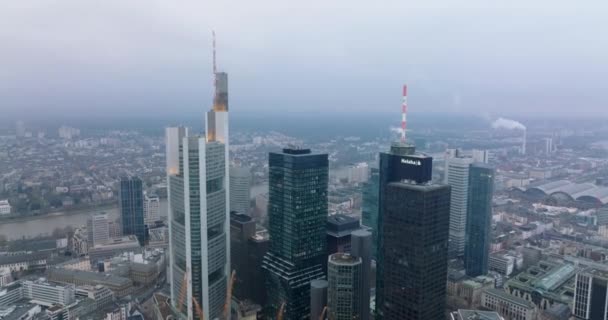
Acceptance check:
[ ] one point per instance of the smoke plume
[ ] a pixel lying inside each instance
(397, 130)
(508, 124)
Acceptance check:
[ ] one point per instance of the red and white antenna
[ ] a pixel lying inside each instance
(404, 113)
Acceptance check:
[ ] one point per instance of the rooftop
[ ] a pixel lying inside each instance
(296, 151)
(343, 258)
(506, 296)
(340, 225)
(26, 257)
(475, 315)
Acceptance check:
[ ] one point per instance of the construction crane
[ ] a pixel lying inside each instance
(281, 311)
(183, 291)
(229, 294)
(198, 309)
(322, 317)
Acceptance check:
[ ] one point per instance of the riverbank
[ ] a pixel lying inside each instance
(59, 213)
(44, 225)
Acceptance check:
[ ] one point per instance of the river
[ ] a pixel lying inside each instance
(44, 225)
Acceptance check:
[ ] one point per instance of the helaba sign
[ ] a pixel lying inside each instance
(411, 161)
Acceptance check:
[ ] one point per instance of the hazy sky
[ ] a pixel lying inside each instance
(475, 56)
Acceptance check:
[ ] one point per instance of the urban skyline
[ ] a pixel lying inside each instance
(354, 212)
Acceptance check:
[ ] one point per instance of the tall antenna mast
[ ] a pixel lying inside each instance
(403, 113)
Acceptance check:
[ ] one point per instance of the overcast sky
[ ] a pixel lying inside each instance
(472, 56)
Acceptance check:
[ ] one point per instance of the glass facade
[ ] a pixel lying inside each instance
(369, 211)
(132, 208)
(197, 198)
(413, 230)
(479, 218)
(297, 211)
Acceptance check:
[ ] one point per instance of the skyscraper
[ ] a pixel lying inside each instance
(297, 211)
(98, 229)
(151, 209)
(344, 286)
(247, 249)
(199, 220)
(240, 189)
(413, 233)
(369, 211)
(318, 298)
(590, 294)
(458, 179)
(132, 208)
(479, 218)
(361, 247)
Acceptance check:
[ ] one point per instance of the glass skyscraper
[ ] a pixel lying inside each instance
(132, 208)
(369, 210)
(479, 218)
(199, 220)
(297, 210)
(413, 238)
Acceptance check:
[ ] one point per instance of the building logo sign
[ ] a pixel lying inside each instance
(411, 162)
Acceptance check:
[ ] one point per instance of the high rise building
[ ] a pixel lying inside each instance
(151, 209)
(339, 229)
(369, 211)
(361, 247)
(344, 286)
(199, 220)
(297, 211)
(479, 218)
(458, 179)
(98, 229)
(318, 298)
(132, 208)
(413, 233)
(590, 294)
(240, 189)
(247, 249)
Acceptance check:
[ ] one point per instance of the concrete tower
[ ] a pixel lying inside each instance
(344, 286)
(240, 189)
(361, 247)
(458, 178)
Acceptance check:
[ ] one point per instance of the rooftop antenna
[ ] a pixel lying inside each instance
(403, 113)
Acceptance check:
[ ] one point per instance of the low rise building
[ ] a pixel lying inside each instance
(21, 311)
(5, 207)
(100, 295)
(120, 286)
(5, 277)
(24, 261)
(503, 262)
(47, 294)
(475, 315)
(545, 284)
(114, 247)
(508, 306)
(10, 294)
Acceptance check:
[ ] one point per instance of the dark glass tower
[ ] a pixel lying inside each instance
(369, 211)
(479, 218)
(413, 238)
(132, 208)
(297, 210)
